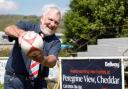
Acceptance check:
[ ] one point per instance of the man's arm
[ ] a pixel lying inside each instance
(50, 61)
(13, 31)
(52, 58)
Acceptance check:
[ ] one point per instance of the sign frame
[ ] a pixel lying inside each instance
(89, 58)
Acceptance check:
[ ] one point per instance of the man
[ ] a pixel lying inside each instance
(17, 68)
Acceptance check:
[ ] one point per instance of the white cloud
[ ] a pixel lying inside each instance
(8, 5)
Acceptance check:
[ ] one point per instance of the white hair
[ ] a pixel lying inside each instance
(49, 7)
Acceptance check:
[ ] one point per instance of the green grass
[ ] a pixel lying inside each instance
(1, 86)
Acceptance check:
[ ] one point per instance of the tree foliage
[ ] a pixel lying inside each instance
(92, 19)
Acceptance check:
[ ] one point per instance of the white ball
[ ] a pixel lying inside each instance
(31, 44)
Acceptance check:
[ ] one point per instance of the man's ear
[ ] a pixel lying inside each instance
(41, 20)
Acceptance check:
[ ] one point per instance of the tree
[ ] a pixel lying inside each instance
(92, 19)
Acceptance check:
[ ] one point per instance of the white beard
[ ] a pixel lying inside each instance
(47, 31)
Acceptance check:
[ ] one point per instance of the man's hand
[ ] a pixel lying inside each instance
(37, 56)
(13, 31)
(50, 61)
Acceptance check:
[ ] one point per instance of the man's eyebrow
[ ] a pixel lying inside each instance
(57, 22)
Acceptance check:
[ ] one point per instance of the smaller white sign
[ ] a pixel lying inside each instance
(2, 70)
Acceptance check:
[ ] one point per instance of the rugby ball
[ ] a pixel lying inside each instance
(31, 44)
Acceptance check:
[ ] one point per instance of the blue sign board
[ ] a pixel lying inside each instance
(91, 74)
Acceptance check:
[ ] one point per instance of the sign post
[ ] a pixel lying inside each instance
(92, 73)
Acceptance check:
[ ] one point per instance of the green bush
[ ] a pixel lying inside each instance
(67, 53)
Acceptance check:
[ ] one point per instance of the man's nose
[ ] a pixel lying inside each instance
(53, 23)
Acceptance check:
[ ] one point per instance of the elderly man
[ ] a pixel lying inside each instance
(17, 74)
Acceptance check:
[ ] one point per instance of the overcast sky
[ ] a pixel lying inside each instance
(30, 7)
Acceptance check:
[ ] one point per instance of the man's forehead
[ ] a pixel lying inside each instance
(53, 15)
(57, 19)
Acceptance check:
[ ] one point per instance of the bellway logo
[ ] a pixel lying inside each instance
(112, 64)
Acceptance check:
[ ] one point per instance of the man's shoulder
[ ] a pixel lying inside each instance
(23, 22)
(28, 26)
